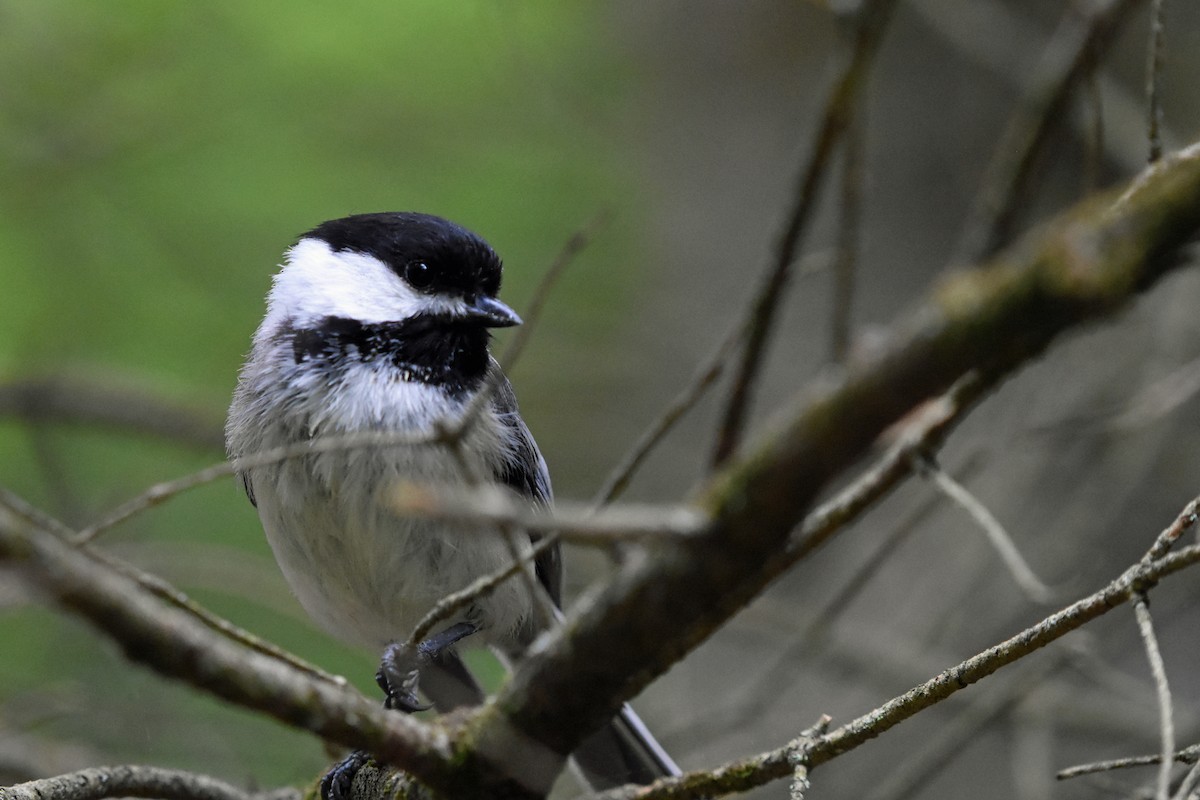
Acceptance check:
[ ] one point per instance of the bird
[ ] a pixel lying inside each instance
(380, 323)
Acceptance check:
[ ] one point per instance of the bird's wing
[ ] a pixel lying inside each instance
(525, 471)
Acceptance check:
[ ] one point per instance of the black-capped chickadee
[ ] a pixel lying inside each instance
(380, 323)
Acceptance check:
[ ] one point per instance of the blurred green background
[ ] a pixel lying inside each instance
(156, 158)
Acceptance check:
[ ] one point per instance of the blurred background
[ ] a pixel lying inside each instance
(157, 158)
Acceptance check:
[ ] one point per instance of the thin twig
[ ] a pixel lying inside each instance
(163, 590)
(1086, 265)
(710, 369)
(1188, 755)
(1171, 534)
(1024, 576)
(179, 646)
(1072, 53)
(873, 19)
(924, 434)
(849, 230)
(99, 783)
(1189, 782)
(78, 401)
(532, 312)
(452, 603)
(758, 697)
(543, 604)
(1154, 65)
(161, 492)
(748, 773)
(1093, 136)
(951, 737)
(456, 430)
(1141, 609)
(485, 504)
(705, 376)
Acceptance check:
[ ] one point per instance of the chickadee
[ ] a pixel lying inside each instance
(380, 323)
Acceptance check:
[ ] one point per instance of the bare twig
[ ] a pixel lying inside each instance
(70, 400)
(924, 434)
(162, 492)
(849, 230)
(163, 590)
(456, 430)
(798, 748)
(873, 19)
(748, 773)
(454, 602)
(179, 646)
(1188, 755)
(1141, 609)
(517, 544)
(1171, 534)
(1189, 782)
(99, 783)
(1154, 64)
(1160, 398)
(532, 313)
(918, 768)
(758, 696)
(705, 376)
(580, 524)
(1006, 548)
(1001, 38)
(1093, 135)
(1070, 56)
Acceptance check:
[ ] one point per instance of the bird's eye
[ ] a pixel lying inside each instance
(418, 274)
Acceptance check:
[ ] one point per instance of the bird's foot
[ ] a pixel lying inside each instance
(338, 781)
(400, 668)
(398, 676)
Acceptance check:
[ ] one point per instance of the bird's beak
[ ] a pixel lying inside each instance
(491, 313)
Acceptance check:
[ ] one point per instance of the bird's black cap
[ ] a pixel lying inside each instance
(456, 260)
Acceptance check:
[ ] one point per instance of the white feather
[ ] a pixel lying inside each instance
(316, 281)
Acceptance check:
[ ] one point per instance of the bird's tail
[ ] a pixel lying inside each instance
(623, 751)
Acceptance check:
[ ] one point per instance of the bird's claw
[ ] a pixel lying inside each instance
(337, 783)
(399, 677)
(400, 668)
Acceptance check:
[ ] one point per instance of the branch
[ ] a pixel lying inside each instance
(80, 402)
(1162, 690)
(623, 635)
(98, 783)
(839, 108)
(1072, 54)
(1154, 65)
(484, 505)
(748, 773)
(176, 644)
(1188, 755)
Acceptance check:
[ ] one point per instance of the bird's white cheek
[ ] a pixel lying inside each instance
(316, 282)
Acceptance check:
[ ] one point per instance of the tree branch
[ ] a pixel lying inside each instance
(873, 18)
(748, 773)
(98, 783)
(180, 646)
(622, 636)
(75, 401)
